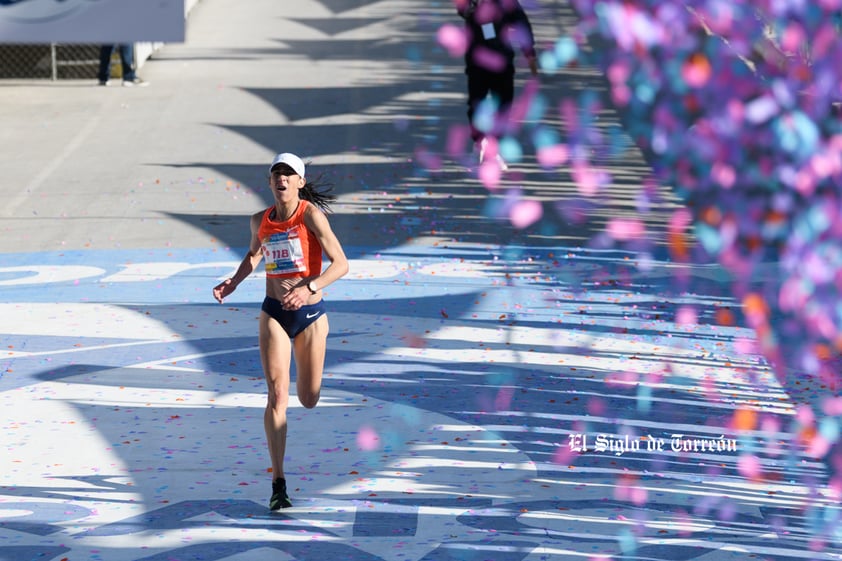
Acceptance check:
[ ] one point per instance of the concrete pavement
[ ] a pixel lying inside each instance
(491, 392)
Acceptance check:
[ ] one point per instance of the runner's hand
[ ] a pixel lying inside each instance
(293, 299)
(223, 289)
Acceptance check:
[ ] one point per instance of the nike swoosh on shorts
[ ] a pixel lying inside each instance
(312, 316)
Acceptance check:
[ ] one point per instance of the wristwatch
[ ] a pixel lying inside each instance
(311, 286)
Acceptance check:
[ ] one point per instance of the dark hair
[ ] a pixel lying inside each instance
(317, 191)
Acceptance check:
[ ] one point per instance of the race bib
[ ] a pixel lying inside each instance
(283, 254)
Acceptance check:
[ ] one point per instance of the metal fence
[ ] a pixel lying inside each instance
(51, 62)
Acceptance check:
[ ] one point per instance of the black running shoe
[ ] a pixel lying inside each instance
(279, 498)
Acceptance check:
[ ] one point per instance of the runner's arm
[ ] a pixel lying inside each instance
(317, 222)
(247, 266)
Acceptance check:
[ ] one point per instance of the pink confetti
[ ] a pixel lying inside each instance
(490, 174)
(457, 138)
(746, 346)
(804, 415)
(564, 456)
(686, 315)
(453, 39)
(749, 466)
(552, 156)
(503, 401)
(525, 213)
(368, 439)
(588, 179)
(624, 229)
(832, 406)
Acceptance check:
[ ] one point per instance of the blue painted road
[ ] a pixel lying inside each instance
(491, 392)
(476, 406)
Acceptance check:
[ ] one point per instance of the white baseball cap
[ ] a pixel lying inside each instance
(291, 160)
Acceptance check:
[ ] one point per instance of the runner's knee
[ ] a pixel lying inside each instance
(277, 398)
(308, 399)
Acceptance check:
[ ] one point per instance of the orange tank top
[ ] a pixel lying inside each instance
(289, 248)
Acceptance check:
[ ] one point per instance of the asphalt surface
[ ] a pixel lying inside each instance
(491, 391)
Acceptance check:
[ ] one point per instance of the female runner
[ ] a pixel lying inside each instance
(291, 235)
